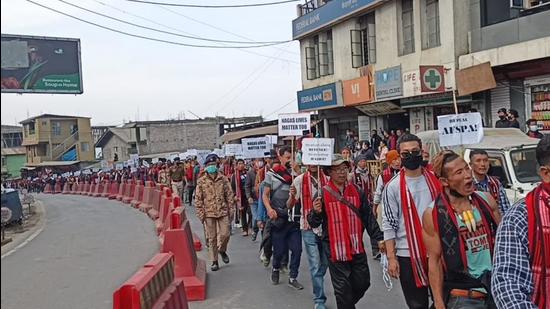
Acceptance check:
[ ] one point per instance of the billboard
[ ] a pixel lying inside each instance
(33, 64)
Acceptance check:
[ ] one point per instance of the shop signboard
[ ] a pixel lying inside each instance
(460, 129)
(32, 64)
(432, 78)
(322, 97)
(388, 83)
(317, 151)
(357, 91)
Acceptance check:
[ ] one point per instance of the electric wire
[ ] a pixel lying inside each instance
(213, 6)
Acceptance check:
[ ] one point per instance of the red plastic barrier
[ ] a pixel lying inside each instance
(91, 190)
(152, 286)
(166, 224)
(129, 192)
(47, 188)
(66, 188)
(121, 190)
(98, 189)
(177, 217)
(157, 193)
(187, 266)
(165, 201)
(76, 188)
(138, 195)
(113, 190)
(106, 188)
(85, 188)
(57, 188)
(147, 199)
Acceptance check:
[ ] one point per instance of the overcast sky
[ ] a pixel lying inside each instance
(128, 78)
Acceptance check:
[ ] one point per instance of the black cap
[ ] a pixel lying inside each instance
(211, 158)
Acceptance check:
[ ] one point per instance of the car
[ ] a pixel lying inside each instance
(511, 154)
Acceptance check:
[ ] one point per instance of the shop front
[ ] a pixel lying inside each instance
(537, 101)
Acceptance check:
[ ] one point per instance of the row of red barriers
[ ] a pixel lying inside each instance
(173, 276)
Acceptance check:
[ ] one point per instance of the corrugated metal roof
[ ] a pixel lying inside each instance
(13, 151)
(51, 116)
(236, 135)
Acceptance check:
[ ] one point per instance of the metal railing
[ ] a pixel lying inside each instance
(60, 149)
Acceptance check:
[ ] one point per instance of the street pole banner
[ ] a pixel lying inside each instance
(233, 150)
(317, 151)
(258, 147)
(460, 129)
(294, 124)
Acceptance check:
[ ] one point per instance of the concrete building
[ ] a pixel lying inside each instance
(360, 62)
(516, 40)
(13, 159)
(57, 138)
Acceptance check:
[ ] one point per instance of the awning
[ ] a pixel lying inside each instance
(54, 163)
(237, 135)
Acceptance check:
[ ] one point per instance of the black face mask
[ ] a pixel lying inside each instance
(412, 162)
(424, 163)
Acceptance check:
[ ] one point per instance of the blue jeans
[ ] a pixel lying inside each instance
(254, 209)
(285, 238)
(466, 303)
(318, 264)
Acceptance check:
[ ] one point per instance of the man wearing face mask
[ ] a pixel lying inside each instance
(215, 203)
(503, 121)
(405, 199)
(534, 129)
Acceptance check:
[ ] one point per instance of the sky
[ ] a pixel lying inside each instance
(126, 78)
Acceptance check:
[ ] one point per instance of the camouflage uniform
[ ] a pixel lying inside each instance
(215, 202)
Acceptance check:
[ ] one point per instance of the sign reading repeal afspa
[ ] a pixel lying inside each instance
(294, 124)
(258, 147)
(460, 129)
(317, 151)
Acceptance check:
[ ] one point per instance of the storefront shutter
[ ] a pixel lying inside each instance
(500, 98)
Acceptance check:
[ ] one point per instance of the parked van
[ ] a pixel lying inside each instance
(511, 154)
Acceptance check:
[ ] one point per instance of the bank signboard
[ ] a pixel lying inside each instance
(33, 64)
(322, 97)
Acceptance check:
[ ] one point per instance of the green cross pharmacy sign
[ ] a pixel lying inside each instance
(432, 78)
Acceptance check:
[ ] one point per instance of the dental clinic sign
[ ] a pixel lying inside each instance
(460, 129)
(322, 97)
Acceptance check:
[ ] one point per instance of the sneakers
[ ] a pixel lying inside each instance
(264, 260)
(293, 283)
(225, 257)
(254, 236)
(214, 266)
(275, 277)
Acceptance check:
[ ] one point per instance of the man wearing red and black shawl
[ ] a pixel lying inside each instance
(344, 212)
(521, 266)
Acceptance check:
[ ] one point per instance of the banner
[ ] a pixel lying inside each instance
(460, 129)
(317, 151)
(294, 124)
(232, 150)
(258, 147)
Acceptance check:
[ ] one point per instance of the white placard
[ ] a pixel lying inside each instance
(317, 151)
(460, 129)
(233, 149)
(95, 169)
(201, 155)
(155, 160)
(294, 124)
(274, 140)
(119, 166)
(86, 172)
(173, 156)
(133, 169)
(258, 147)
(77, 173)
(145, 163)
(219, 152)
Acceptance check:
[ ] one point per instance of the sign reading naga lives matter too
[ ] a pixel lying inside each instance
(258, 147)
(317, 151)
(294, 124)
(460, 129)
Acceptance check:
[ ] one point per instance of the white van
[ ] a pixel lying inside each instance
(511, 154)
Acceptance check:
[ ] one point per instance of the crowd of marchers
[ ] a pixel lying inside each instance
(444, 226)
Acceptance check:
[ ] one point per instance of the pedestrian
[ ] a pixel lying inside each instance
(459, 232)
(191, 181)
(346, 153)
(405, 199)
(367, 151)
(285, 230)
(306, 186)
(426, 160)
(382, 151)
(392, 140)
(522, 249)
(503, 121)
(479, 162)
(393, 162)
(177, 173)
(375, 140)
(343, 212)
(252, 194)
(513, 116)
(238, 184)
(533, 129)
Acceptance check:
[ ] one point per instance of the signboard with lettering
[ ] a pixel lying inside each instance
(294, 124)
(357, 91)
(258, 147)
(432, 78)
(460, 129)
(388, 83)
(317, 151)
(322, 97)
(232, 150)
(201, 156)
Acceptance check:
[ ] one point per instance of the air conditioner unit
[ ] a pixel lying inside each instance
(516, 4)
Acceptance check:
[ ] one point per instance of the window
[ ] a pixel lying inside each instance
(363, 42)
(4, 161)
(430, 25)
(407, 27)
(30, 128)
(320, 56)
(56, 128)
(85, 146)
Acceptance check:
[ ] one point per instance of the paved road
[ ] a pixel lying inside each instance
(244, 283)
(87, 249)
